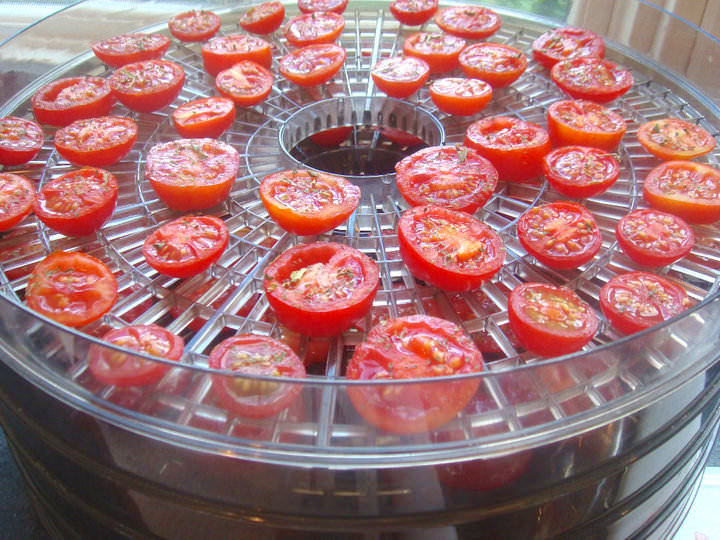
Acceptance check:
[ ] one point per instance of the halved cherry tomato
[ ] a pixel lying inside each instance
(71, 288)
(264, 18)
(550, 320)
(452, 176)
(470, 22)
(495, 63)
(258, 358)
(128, 48)
(312, 6)
(127, 369)
(580, 171)
(77, 203)
(406, 348)
(400, 76)
(565, 43)
(321, 289)
(246, 83)
(223, 52)
(515, 147)
(195, 25)
(413, 12)
(65, 100)
(635, 301)
(560, 235)
(329, 138)
(149, 85)
(673, 138)
(654, 238)
(592, 78)
(584, 123)
(20, 140)
(313, 64)
(439, 50)
(450, 249)
(16, 199)
(685, 188)
(307, 202)
(186, 246)
(204, 117)
(309, 28)
(460, 97)
(192, 174)
(97, 142)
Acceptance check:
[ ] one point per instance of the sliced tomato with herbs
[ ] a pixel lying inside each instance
(459, 96)
(313, 6)
(63, 101)
(584, 123)
(192, 174)
(550, 320)
(400, 76)
(580, 171)
(246, 83)
(264, 18)
(449, 249)
(561, 235)
(685, 188)
(468, 21)
(17, 194)
(515, 147)
(186, 246)
(128, 48)
(565, 43)
(96, 142)
(452, 176)
(495, 63)
(405, 349)
(149, 85)
(321, 289)
(635, 301)
(195, 25)
(595, 79)
(654, 238)
(71, 288)
(77, 203)
(223, 52)
(20, 140)
(413, 12)
(313, 64)
(440, 51)
(125, 369)
(308, 28)
(674, 138)
(204, 117)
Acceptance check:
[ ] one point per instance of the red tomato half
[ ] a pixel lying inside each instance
(16, 199)
(460, 97)
(495, 63)
(592, 78)
(413, 347)
(253, 359)
(584, 123)
(223, 52)
(246, 83)
(550, 320)
(186, 246)
(638, 300)
(204, 117)
(470, 22)
(195, 25)
(565, 43)
(20, 140)
(400, 76)
(313, 64)
(321, 289)
(97, 142)
(192, 174)
(65, 100)
(561, 235)
(413, 12)
(264, 18)
(77, 203)
(330, 138)
(440, 51)
(580, 171)
(71, 288)
(128, 48)
(685, 188)
(127, 369)
(673, 138)
(307, 202)
(312, 6)
(309, 28)
(452, 176)
(515, 147)
(654, 238)
(447, 248)
(149, 85)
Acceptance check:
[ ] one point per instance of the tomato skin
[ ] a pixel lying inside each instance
(306, 305)
(515, 147)
(495, 63)
(413, 12)
(195, 25)
(675, 139)
(560, 235)
(413, 347)
(685, 188)
(206, 117)
(312, 65)
(192, 174)
(440, 51)
(654, 238)
(312, 6)
(565, 43)
(595, 79)
(20, 140)
(400, 76)
(223, 52)
(77, 203)
(550, 320)
(124, 370)
(246, 83)
(308, 28)
(186, 246)
(449, 249)
(96, 142)
(17, 194)
(576, 122)
(264, 18)
(452, 176)
(149, 85)
(470, 22)
(460, 97)
(71, 288)
(580, 171)
(128, 48)
(63, 101)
